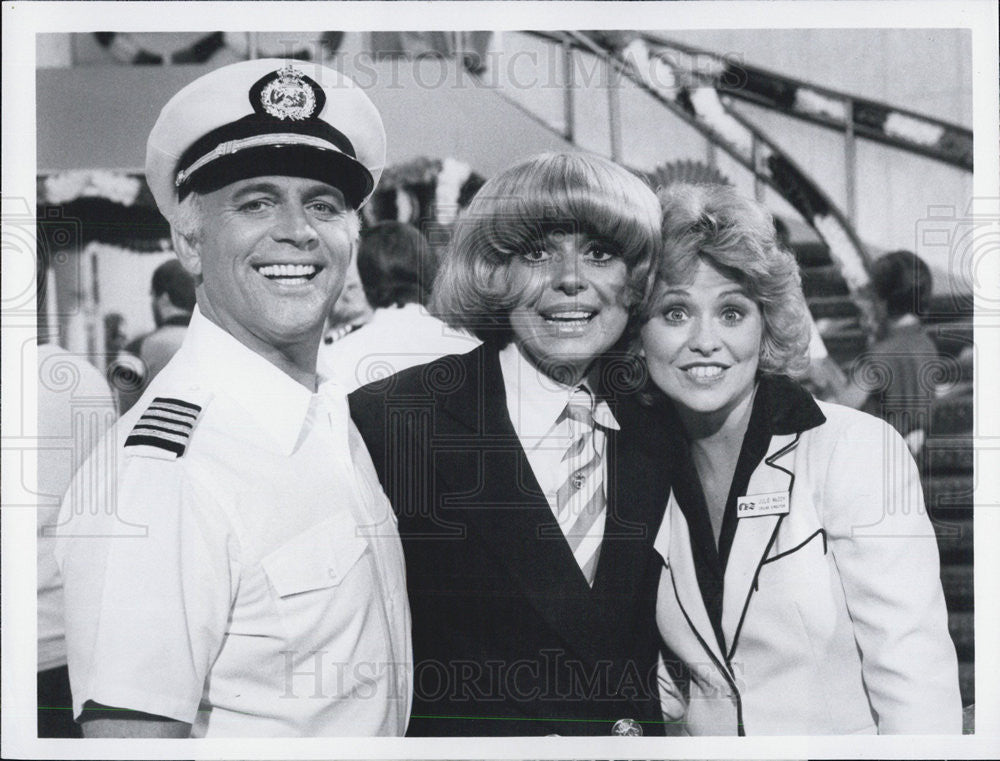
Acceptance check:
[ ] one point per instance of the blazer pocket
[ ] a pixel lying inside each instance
(318, 558)
(795, 566)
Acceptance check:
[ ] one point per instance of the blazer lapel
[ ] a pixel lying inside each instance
(510, 513)
(638, 481)
(754, 537)
(673, 543)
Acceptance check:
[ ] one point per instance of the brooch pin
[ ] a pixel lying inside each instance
(627, 728)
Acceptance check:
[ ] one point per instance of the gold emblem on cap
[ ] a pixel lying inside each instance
(288, 96)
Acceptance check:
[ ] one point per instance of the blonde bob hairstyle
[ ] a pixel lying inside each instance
(716, 225)
(514, 212)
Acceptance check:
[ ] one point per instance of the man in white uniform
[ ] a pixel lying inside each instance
(231, 565)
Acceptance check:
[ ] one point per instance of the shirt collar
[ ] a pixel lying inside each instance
(534, 400)
(276, 402)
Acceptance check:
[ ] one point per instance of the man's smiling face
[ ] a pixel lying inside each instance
(272, 253)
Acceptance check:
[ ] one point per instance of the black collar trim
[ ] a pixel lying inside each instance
(791, 409)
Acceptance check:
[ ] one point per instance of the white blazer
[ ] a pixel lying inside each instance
(833, 614)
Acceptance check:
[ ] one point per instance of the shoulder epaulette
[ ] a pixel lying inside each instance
(167, 425)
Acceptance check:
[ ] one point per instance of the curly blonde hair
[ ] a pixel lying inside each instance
(715, 224)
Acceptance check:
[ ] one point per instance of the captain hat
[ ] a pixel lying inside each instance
(267, 116)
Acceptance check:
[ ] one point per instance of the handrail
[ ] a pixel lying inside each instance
(835, 109)
(700, 107)
(748, 145)
(832, 109)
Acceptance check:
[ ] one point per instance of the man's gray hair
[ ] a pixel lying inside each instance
(187, 217)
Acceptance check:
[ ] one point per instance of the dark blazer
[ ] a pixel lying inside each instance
(508, 638)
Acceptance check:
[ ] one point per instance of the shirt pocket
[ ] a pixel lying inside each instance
(319, 558)
(327, 602)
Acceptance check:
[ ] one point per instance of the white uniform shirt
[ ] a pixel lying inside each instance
(254, 586)
(535, 403)
(396, 338)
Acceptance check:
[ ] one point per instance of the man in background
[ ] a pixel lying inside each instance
(172, 302)
(348, 313)
(397, 268)
(894, 378)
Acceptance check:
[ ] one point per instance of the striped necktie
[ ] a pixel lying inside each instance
(580, 501)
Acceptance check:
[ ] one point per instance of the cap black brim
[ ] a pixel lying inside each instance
(328, 166)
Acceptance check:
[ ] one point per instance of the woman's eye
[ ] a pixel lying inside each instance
(674, 314)
(539, 255)
(600, 254)
(732, 314)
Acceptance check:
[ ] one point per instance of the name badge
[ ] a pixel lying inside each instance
(772, 503)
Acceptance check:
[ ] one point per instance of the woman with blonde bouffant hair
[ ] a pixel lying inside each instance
(527, 502)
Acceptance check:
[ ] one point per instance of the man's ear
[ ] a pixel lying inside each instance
(188, 253)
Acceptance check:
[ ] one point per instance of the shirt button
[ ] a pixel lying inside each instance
(331, 573)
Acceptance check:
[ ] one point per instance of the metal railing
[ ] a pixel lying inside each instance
(694, 99)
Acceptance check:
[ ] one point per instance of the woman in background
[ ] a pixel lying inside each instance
(800, 582)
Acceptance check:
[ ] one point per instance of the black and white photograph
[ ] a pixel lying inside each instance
(500, 380)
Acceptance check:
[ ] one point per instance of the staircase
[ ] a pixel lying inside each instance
(947, 459)
(947, 472)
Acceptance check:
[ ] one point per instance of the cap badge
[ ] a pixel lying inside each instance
(289, 95)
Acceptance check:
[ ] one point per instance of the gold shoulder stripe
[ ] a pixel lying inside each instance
(166, 424)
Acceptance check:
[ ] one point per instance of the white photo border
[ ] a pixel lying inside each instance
(23, 20)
